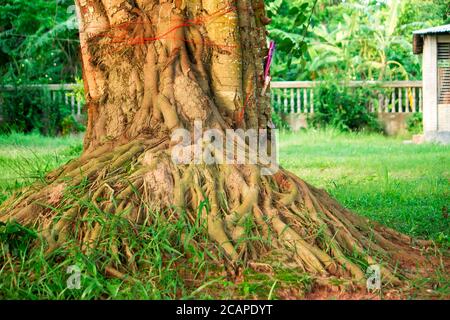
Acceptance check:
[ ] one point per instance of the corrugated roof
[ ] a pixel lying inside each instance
(419, 34)
(434, 30)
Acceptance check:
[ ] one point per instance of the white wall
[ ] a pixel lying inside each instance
(430, 89)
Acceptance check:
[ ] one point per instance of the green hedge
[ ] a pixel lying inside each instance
(344, 108)
(33, 110)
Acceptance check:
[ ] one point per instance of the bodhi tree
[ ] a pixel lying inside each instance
(152, 67)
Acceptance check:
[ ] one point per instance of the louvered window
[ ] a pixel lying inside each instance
(444, 73)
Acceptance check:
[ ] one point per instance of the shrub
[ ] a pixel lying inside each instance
(414, 123)
(279, 122)
(70, 125)
(27, 110)
(343, 108)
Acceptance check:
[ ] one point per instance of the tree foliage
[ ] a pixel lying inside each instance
(352, 39)
(38, 42)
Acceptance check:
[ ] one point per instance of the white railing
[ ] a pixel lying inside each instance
(387, 97)
(289, 96)
(61, 93)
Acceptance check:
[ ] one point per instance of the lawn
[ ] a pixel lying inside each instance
(24, 158)
(404, 186)
(401, 185)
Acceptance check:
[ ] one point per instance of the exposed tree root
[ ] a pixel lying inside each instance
(248, 215)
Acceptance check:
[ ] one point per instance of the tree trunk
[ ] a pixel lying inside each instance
(151, 67)
(154, 66)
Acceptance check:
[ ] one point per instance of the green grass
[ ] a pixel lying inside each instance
(24, 158)
(403, 186)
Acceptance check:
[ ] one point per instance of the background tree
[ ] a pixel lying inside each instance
(38, 45)
(38, 42)
(353, 39)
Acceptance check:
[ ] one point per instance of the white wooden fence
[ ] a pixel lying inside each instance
(289, 96)
(61, 93)
(386, 97)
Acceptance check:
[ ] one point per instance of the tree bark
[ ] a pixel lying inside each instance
(154, 66)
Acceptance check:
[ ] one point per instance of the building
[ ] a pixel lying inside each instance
(434, 45)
